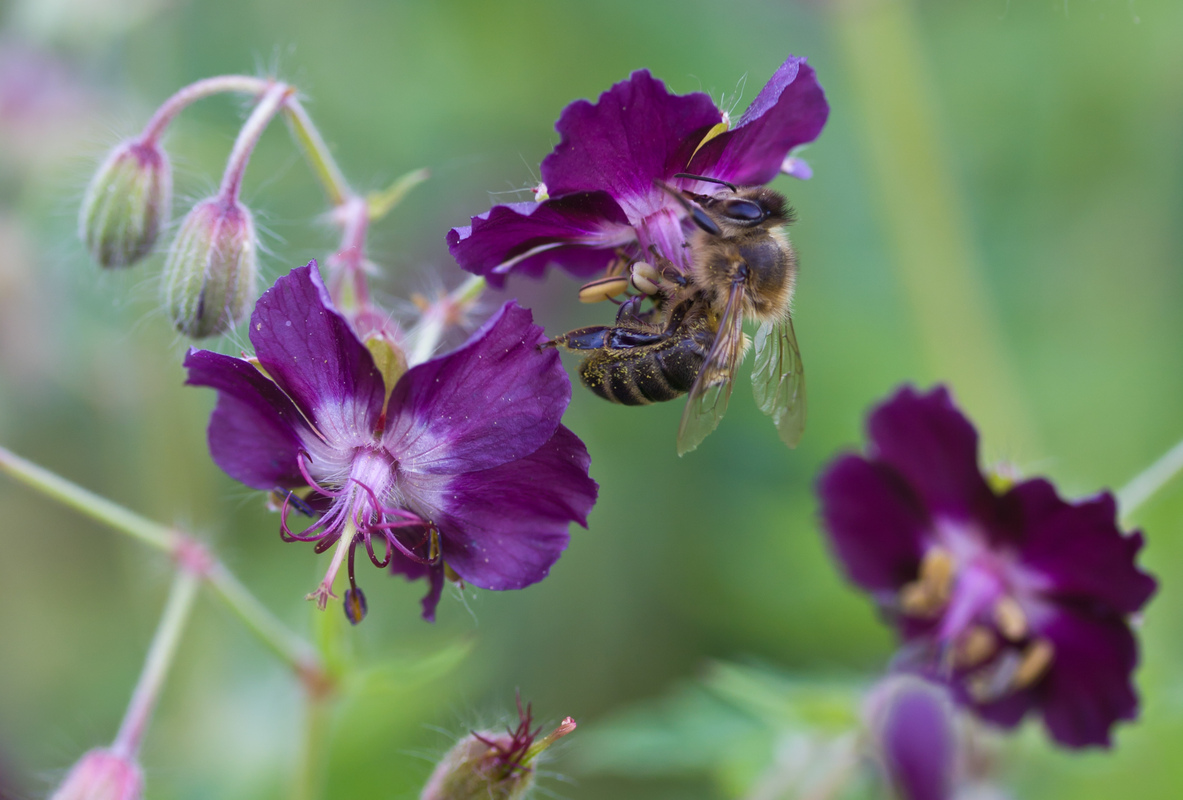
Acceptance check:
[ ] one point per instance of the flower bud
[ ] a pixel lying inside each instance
(102, 775)
(209, 276)
(912, 724)
(492, 766)
(126, 204)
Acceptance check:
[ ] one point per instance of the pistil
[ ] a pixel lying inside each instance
(325, 590)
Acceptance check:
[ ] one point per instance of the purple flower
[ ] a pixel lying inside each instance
(460, 469)
(601, 177)
(1020, 599)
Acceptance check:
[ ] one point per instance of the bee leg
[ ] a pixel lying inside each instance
(668, 271)
(630, 309)
(592, 338)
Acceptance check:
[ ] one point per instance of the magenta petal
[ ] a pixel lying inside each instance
(579, 232)
(935, 448)
(255, 430)
(503, 528)
(1079, 551)
(311, 352)
(635, 132)
(1089, 686)
(790, 111)
(876, 523)
(497, 398)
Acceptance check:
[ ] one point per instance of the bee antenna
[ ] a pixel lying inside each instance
(728, 184)
(700, 217)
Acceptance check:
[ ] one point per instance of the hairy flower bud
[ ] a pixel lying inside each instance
(126, 204)
(102, 775)
(209, 276)
(490, 765)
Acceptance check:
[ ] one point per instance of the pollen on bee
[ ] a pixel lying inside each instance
(599, 290)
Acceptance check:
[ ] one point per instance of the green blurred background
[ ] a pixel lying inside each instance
(996, 203)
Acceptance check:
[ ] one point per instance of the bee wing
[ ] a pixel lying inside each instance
(712, 388)
(778, 379)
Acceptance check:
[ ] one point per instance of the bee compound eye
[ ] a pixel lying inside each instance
(744, 210)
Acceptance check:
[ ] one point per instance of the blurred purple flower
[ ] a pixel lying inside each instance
(600, 178)
(1020, 599)
(460, 467)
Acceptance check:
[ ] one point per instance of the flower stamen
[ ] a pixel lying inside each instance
(1037, 658)
(300, 457)
(976, 646)
(1010, 619)
(927, 596)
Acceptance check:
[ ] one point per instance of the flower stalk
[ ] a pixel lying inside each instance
(278, 638)
(156, 666)
(248, 137)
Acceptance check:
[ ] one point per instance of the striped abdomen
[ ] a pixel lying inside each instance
(650, 373)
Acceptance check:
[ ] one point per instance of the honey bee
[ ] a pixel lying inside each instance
(691, 339)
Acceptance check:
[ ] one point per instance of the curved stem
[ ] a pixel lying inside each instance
(1145, 485)
(248, 137)
(297, 653)
(317, 152)
(156, 666)
(244, 84)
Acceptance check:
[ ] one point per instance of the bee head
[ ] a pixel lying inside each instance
(732, 211)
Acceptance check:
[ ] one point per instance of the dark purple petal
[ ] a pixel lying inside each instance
(255, 430)
(1079, 551)
(918, 740)
(312, 353)
(579, 232)
(877, 524)
(637, 131)
(1089, 685)
(935, 448)
(790, 111)
(413, 570)
(495, 399)
(503, 528)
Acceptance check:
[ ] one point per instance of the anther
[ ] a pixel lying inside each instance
(1010, 619)
(936, 570)
(602, 289)
(1034, 665)
(927, 595)
(645, 279)
(974, 647)
(355, 605)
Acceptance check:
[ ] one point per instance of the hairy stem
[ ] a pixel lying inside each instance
(156, 666)
(248, 137)
(297, 653)
(242, 84)
(317, 152)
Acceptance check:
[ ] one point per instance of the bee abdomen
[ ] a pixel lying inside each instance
(639, 378)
